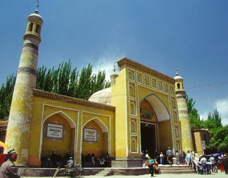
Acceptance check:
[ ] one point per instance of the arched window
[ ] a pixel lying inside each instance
(139, 78)
(176, 132)
(38, 29)
(132, 108)
(131, 75)
(133, 145)
(30, 27)
(132, 90)
(146, 79)
(178, 85)
(133, 126)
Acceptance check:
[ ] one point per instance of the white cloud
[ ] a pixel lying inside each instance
(222, 107)
(204, 116)
(106, 62)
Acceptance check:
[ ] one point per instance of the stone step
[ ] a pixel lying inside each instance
(178, 172)
(104, 172)
(175, 167)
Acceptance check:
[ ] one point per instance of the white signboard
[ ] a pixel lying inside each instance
(54, 131)
(90, 135)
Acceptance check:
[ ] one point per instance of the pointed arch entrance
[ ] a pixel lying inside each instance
(58, 135)
(152, 114)
(95, 140)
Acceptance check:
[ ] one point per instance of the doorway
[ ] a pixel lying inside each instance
(148, 138)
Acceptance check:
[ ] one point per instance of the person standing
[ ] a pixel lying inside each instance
(151, 166)
(212, 161)
(161, 158)
(8, 169)
(70, 165)
(169, 156)
(187, 158)
(156, 156)
(177, 158)
(203, 161)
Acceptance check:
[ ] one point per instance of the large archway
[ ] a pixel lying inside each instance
(154, 120)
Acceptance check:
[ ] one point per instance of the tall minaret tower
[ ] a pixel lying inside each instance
(18, 130)
(187, 142)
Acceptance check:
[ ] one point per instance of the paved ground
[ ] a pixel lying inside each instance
(213, 175)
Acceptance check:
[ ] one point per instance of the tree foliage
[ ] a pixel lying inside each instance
(218, 133)
(219, 140)
(70, 82)
(6, 93)
(63, 80)
(213, 121)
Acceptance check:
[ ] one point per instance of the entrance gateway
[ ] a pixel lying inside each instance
(154, 117)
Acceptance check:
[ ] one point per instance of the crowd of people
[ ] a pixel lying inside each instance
(201, 164)
(167, 158)
(55, 160)
(204, 164)
(90, 160)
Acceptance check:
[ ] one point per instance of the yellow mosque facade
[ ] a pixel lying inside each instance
(142, 110)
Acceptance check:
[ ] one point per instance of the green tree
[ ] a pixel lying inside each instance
(85, 83)
(219, 140)
(213, 121)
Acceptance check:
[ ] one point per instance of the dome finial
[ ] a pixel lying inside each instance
(37, 6)
(177, 72)
(114, 70)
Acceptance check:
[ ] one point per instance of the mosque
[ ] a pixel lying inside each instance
(142, 110)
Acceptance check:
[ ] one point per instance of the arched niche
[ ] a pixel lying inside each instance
(95, 139)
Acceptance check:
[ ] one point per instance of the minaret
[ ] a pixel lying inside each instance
(187, 142)
(18, 130)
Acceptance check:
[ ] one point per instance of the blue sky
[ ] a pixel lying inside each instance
(190, 35)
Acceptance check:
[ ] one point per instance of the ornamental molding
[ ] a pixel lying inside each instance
(128, 62)
(67, 99)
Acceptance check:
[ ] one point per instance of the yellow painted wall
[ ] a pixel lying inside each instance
(165, 139)
(45, 108)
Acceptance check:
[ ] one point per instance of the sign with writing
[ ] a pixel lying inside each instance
(90, 135)
(54, 131)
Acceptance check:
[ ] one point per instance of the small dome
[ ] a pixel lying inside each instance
(102, 96)
(177, 77)
(35, 16)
